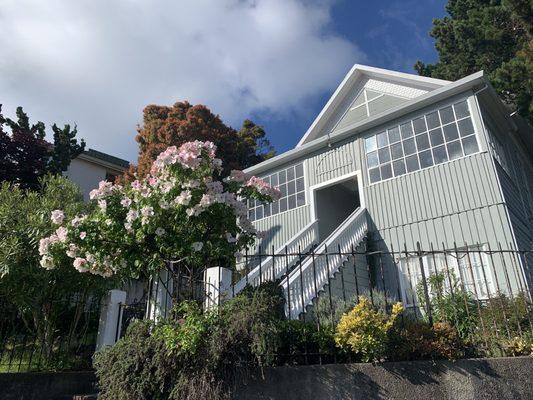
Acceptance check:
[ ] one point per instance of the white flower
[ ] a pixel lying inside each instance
(77, 220)
(47, 262)
(163, 204)
(159, 231)
(190, 212)
(57, 217)
(43, 246)
(80, 264)
(147, 211)
(184, 198)
(230, 238)
(125, 202)
(83, 235)
(108, 222)
(128, 227)
(132, 215)
(61, 233)
(72, 250)
(197, 246)
(103, 205)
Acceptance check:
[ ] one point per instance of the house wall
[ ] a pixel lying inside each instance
(86, 175)
(515, 173)
(449, 205)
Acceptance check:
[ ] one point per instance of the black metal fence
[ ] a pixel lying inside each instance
(57, 335)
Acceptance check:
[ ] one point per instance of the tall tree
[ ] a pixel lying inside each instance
(25, 155)
(490, 35)
(165, 126)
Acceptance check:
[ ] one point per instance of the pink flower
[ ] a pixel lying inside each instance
(80, 264)
(83, 235)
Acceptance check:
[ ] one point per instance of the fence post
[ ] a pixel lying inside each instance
(217, 286)
(424, 281)
(109, 324)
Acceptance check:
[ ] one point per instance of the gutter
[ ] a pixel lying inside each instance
(427, 99)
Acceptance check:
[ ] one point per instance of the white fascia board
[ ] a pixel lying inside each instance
(427, 99)
(359, 70)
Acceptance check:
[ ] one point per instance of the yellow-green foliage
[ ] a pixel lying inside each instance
(363, 330)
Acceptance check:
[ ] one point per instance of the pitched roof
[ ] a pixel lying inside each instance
(398, 87)
(95, 155)
(440, 91)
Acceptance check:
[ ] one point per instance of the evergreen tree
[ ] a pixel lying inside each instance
(25, 155)
(490, 35)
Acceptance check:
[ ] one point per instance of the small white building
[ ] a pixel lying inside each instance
(93, 166)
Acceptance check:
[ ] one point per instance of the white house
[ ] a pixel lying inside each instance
(393, 160)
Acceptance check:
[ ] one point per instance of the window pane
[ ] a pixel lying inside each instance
(384, 155)
(396, 151)
(454, 150)
(433, 120)
(274, 180)
(266, 209)
(465, 127)
(300, 184)
(419, 125)
(426, 159)
(409, 146)
(407, 130)
(283, 189)
(372, 159)
(251, 214)
(374, 175)
(300, 199)
(282, 176)
(386, 171)
(422, 141)
(412, 163)
(382, 139)
(439, 154)
(399, 167)
(299, 170)
(394, 135)
(371, 144)
(259, 212)
(290, 173)
(292, 201)
(283, 205)
(291, 187)
(275, 207)
(470, 145)
(446, 115)
(450, 132)
(435, 136)
(461, 109)
(267, 179)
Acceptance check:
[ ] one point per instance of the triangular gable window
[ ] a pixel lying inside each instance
(368, 103)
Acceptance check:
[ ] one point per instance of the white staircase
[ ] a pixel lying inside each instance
(272, 268)
(312, 274)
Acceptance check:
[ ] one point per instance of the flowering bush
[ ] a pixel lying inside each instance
(182, 211)
(363, 330)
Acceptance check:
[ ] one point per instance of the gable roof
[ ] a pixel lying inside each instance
(104, 159)
(474, 82)
(345, 106)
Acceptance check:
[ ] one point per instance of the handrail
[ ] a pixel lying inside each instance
(309, 277)
(267, 270)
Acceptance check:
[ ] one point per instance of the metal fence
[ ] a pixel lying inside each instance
(57, 335)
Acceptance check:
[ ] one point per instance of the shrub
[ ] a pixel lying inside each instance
(303, 342)
(363, 330)
(195, 356)
(418, 340)
(520, 346)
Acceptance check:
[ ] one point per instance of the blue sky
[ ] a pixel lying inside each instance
(97, 63)
(391, 34)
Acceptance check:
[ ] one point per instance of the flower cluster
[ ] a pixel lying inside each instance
(182, 210)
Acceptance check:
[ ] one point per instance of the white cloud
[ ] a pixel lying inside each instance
(99, 62)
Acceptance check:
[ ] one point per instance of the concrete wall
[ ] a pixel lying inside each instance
(46, 385)
(487, 379)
